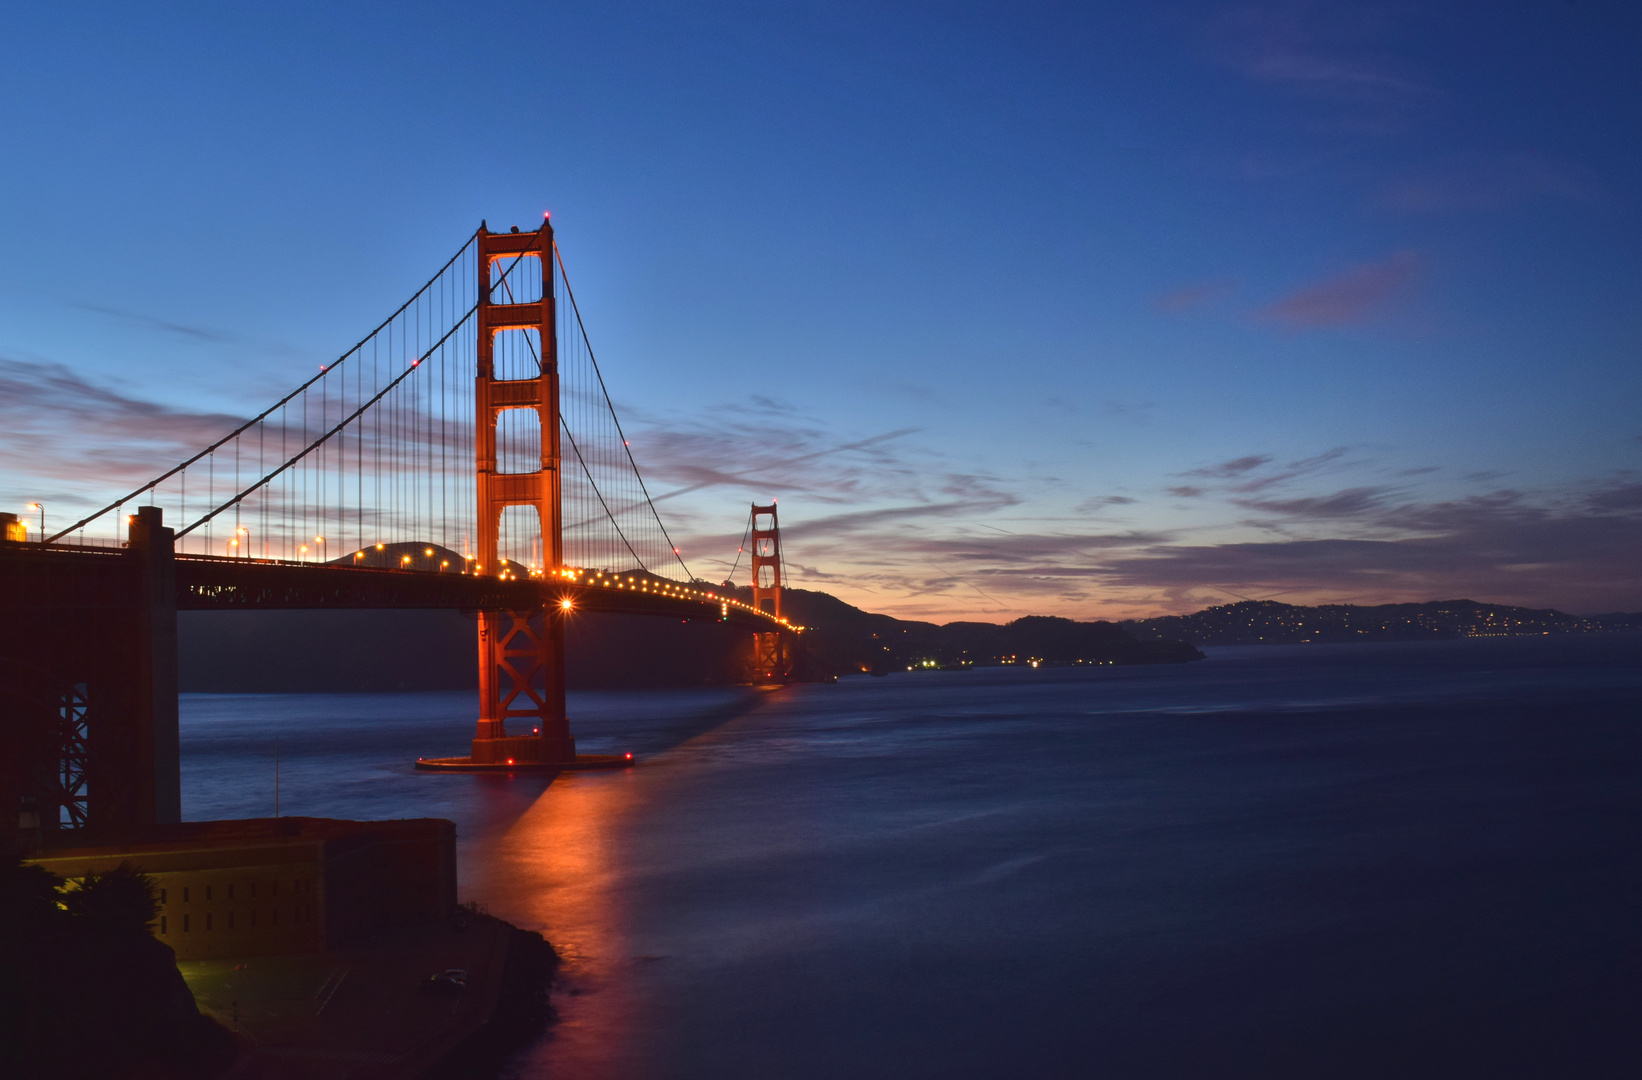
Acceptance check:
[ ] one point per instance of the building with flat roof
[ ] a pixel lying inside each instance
(274, 886)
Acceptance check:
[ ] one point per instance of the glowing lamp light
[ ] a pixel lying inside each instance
(510, 761)
(629, 756)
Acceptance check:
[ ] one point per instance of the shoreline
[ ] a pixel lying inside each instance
(362, 1013)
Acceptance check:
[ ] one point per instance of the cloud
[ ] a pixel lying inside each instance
(1348, 298)
(1185, 491)
(1349, 503)
(1318, 51)
(776, 458)
(196, 333)
(1619, 498)
(1100, 502)
(1577, 553)
(1483, 184)
(1192, 296)
(837, 526)
(1138, 412)
(1234, 467)
(61, 426)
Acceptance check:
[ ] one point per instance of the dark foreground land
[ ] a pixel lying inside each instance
(87, 994)
(363, 1014)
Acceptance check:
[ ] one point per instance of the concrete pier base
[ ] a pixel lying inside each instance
(517, 748)
(581, 762)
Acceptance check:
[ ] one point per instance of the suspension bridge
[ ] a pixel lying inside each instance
(464, 454)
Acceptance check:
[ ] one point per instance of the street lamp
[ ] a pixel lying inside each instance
(42, 508)
(246, 550)
(320, 540)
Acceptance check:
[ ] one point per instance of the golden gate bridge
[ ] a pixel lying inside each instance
(464, 454)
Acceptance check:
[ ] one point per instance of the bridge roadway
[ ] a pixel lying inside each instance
(209, 583)
(88, 644)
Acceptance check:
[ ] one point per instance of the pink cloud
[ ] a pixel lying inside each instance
(1492, 184)
(1348, 298)
(1192, 296)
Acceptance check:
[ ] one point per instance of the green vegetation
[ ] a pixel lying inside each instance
(86, 990)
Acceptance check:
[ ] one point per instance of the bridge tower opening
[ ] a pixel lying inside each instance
(521, 653)
(769, 648)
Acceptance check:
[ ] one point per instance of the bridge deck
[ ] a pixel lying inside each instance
(206, 583)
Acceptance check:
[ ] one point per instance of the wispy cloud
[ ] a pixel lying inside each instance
(1191, 296)
(196, 333)
(1235, 467)
(62, 426)
(1096, 503)
(1575, 552)
(1347, 298)
(1490, 183)
(1321, 51)
(899, 528)
(1348, 503)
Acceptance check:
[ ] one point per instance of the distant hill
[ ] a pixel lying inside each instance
(841, 639)
(1267, 622)
(335, 651)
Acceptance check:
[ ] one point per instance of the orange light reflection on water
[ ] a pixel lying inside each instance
(557, 870)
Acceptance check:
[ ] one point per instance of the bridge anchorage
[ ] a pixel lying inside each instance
(356, 490)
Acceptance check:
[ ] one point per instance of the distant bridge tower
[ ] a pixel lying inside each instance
(521, 653)
(769, 648)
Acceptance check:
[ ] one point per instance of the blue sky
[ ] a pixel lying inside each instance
(1095, 310)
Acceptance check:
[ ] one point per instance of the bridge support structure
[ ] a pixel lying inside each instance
(521, 653)
(88, 689)
(771, 656)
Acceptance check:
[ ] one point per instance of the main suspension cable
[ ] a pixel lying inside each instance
(323, 371)
(571, 293)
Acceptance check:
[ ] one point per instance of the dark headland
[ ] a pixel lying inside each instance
(320, 651)
(339, 651)
(1267, 622)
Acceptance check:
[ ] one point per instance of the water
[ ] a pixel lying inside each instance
(1365, 860)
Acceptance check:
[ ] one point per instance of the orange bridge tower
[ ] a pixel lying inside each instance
(770, 659)
(521, 653)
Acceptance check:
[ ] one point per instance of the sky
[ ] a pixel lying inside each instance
(1094, 310)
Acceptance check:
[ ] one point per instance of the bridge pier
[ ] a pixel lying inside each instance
(88, 688)
(154, 672)
(521, 675)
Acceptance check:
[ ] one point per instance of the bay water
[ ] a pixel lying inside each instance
(1376, 860)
